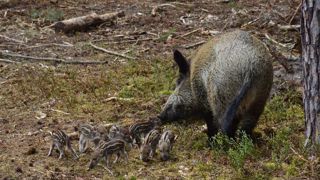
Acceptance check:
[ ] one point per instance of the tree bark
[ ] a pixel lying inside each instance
(310, 34)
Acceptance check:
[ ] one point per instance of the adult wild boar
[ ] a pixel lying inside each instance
(227, 82)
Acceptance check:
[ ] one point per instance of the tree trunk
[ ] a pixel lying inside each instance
(310, 34)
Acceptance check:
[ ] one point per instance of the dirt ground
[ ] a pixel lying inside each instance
(38, 96)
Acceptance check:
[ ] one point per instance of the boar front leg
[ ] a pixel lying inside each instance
(212, 126)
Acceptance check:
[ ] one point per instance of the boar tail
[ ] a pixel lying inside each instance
(229, 122)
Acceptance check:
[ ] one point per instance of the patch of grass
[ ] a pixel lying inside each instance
(241, 149)
(164, 36)
(238, 150)
(82, 91)
(234, 4)
(200, 142)
(280, 145)
(127, 178)
(283, 107)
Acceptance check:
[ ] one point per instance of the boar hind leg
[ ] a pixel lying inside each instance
(231, 131)
(251, 117)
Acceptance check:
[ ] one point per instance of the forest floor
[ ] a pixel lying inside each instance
(37, 96)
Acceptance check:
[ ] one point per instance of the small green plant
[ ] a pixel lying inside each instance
(165, 35)
(220, 142)
(280, 145)
(200, 142)
(241, 149)
(126, 92)
(234, 4)
(238, 150)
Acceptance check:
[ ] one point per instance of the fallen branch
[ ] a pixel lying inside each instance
(182, 4)
(3, 82)
(106, 168)
(223, 1)
(49, 59)
(289, 27)
(156, 8)
(65, 44)
(194, 45)
(129, 41)
(250, 22)
(300, 156)
(117, 98)
(83, 22)
(7, 61)
(111, 52)
(59, 111)
(290, 46)
(278, 56)
(295, 12)
(191, 32)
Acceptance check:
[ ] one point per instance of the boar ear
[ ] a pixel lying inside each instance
(181, 61)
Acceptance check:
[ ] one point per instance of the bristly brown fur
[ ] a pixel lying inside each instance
(227, 84)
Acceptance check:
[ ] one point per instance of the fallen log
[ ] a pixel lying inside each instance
(84, 22)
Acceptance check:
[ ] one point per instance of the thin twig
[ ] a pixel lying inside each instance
(194, 45)
(50, 59)
(117, 98)
(295, 13)
(7, 61)
(296, 153)
(131, 40)
(278, 43)
(191, 32)
(153, 34)
(289, 27)
(279, 57)
(51, 44)
(3, 82)
(111, 52)
(223, 1)
(106, 168)
(250, 22)
(182, 4)
(59, 111)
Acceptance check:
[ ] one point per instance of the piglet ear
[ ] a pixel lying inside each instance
(181, 61)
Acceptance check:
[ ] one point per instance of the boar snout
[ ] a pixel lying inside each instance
(168, 115)
(164, 157)
(144, 158)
